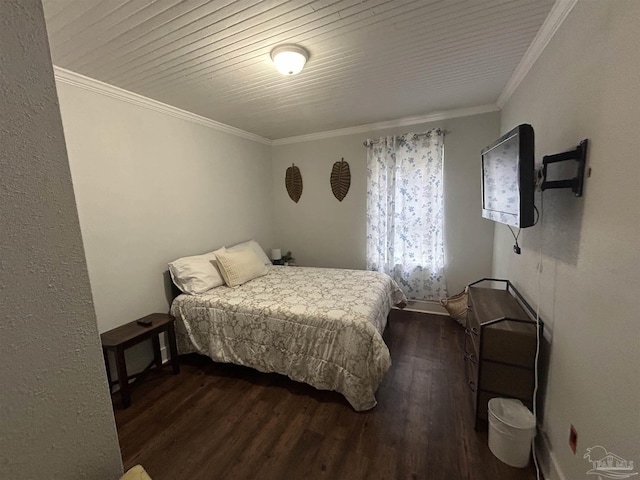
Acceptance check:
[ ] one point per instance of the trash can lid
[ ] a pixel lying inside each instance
(512, 412)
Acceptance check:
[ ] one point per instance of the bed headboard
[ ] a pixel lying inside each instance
(170, 289)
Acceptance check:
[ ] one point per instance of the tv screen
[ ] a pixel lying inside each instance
(508, 178)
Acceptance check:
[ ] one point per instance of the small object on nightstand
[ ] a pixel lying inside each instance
(287, 258)
(145, 322)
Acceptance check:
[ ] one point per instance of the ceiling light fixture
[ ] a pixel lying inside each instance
(289, 59)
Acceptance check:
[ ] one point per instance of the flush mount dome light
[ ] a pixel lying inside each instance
(289, 59)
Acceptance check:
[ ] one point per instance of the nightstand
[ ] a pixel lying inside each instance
(130, 334)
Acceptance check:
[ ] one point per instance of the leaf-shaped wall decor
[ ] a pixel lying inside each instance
(293, 182)
(340, 179)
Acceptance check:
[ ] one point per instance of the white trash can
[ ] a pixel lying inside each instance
(511, 428)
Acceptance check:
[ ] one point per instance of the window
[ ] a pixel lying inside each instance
(405, 210)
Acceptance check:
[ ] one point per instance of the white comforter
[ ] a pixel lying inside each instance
(320, 326)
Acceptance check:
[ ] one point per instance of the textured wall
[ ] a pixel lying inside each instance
(585, 85)
(55, 413)
(320, 231)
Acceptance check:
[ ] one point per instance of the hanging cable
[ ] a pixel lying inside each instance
(535, 388)
(516, 247)
(537, 214)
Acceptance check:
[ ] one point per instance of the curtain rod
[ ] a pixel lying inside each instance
(439, 131)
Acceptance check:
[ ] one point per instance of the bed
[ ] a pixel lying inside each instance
(319, 326)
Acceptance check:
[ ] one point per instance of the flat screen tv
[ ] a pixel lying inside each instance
(508, 183)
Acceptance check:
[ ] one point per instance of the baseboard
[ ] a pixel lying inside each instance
(163, 354)
(549, 466)
(425, 306)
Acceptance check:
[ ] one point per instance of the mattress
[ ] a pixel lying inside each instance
(320, 326)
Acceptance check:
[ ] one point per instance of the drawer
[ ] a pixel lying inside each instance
(471, 369)
(471, 341)
(472, 319)
(514, 347)
(506, 380)
(471, 377)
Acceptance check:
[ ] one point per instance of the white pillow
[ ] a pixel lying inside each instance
(240, 265)
(255, 246)
(196, 274)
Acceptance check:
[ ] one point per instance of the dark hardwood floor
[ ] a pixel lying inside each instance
(219, 421)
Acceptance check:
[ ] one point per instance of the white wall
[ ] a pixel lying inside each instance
(150, 188)
(585, 85)
(321, 231)
(55, 414)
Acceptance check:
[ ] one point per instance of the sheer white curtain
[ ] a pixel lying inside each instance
(405, 204)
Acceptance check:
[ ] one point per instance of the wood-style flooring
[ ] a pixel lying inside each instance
(219, 421)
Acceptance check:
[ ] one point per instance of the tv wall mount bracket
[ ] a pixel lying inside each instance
(576, 183)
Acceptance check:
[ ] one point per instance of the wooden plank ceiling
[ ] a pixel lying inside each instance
(370, 61)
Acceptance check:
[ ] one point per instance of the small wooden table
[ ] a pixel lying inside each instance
(129, 334)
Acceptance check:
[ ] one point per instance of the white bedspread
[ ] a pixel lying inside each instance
(320, 326)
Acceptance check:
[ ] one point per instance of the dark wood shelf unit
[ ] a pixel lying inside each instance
(500, 346)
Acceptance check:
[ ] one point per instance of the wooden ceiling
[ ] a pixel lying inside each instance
(370, 61)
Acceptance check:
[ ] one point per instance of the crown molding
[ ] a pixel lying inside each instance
(71, 78)
(401, 122)
(556, 16)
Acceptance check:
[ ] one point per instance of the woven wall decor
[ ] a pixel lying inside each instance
(293, 182)
(340, 179)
